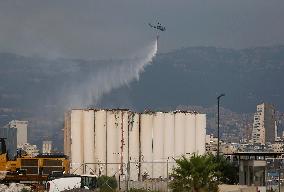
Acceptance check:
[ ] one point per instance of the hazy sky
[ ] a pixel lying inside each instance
(116, 28)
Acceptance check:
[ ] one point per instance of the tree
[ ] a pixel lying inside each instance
(107, 184)
(228, 171)
(197, 174)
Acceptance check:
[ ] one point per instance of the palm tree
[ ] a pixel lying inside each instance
(197, 174)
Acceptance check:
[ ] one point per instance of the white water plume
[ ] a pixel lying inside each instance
(110, 76)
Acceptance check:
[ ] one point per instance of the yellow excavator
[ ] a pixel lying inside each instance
(26, 168)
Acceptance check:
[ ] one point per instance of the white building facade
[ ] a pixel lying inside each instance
(105, 140)
(264, 124)
(46, 146)
(22, 131)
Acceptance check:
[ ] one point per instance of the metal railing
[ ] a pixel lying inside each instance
(140, 175)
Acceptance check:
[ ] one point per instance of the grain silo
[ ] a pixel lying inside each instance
(134, 143)
(169, 132)
(104, 141)
(112, 141)
(76, 141)
(100, 141)
(89, 140)
(146, 139)
(158, 144)
(189, 133)
(158, 139)
(200, 133)
(179, 122)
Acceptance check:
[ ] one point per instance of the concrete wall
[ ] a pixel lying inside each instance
(99, 139)
(237, 188)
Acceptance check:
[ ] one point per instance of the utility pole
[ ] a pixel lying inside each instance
(218, 124)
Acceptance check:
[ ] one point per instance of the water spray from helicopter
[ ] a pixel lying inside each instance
(115, 74)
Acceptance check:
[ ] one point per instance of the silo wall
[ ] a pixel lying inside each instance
(146, 144)
(169, 136)
(179, 133)
(67, 134)
(76, 142)
(100, 138)
(100, 142)
(169, 142)
(89, 141)
(190, 133)
(200, 133)
(158, 144)
(113, 143)
(133, 127)
(124, 141)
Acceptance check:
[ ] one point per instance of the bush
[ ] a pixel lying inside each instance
(228, 172)
(198, 173)
(140, 190)
(106, 183)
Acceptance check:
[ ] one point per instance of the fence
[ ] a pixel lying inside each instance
(139, 175)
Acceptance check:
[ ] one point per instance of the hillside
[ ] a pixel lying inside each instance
(195, 76)
(39, 90)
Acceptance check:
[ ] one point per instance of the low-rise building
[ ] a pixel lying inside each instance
(277, 146)
(229, 148)
(46, 146)
(211, 144)
(29, 150)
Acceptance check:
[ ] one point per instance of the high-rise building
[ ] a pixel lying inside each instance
(22, 131)
(11, 140)
(264, 124)
(46, 146)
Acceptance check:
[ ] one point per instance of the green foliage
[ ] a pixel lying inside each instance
(140, 190)
(196, 174)
(203, 173)
(106, 183)
(228, 172)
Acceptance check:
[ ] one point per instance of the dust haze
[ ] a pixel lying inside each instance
(81, 50)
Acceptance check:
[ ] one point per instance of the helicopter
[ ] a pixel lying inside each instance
(158, 26)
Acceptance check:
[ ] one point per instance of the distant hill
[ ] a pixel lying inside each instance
(195, 76)
(36, 89)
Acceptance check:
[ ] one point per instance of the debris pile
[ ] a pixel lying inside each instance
(14, 187)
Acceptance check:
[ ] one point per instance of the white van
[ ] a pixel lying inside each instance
(64, 183)
(72, 182)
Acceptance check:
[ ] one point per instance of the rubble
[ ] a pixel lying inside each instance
(14, 187)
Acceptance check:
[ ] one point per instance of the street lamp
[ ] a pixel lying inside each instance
(218, 123)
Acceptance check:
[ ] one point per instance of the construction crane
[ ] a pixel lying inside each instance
(26, 168)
